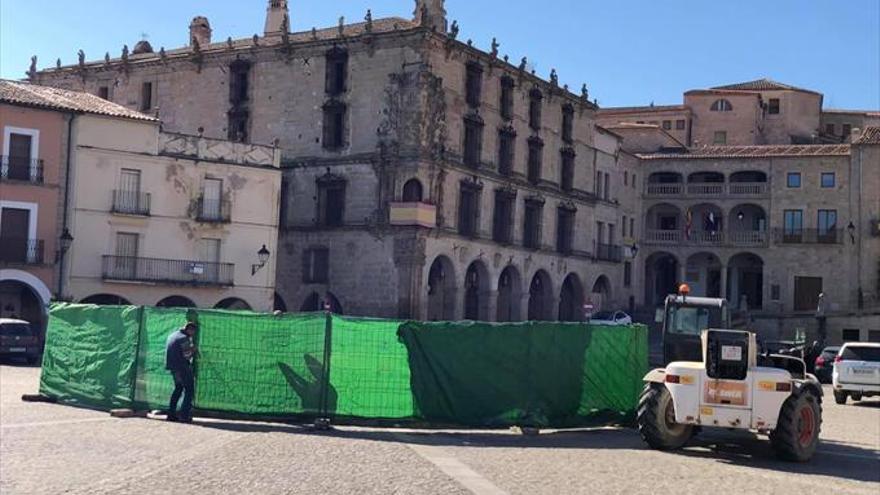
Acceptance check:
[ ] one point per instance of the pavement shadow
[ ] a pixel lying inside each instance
(875, 404)
(600, 438)
(832, 459)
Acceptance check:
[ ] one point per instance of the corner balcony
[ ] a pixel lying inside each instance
(165, 271)
(413, 214)
(13, 168)
(18, 251)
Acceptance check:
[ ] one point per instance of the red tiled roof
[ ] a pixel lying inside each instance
(871, 135)
(753, 152)
(868, 113)
(33, 95)
(721, 92)
(763, 85)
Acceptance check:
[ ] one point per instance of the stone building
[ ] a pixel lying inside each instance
(149, 217)
(423, 177)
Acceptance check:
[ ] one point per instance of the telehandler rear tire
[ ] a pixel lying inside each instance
(656, 419)
(797, 433)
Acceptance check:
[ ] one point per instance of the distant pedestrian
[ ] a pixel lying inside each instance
(179, 351)
(822, 318)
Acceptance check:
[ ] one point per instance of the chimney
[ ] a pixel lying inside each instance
(855, 134)
(431, 14)
(200, 30)
(277, 15)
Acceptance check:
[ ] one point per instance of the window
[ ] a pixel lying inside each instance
(146, 96)
(720, 137)
(625, 178)
(607, 187)
(634, 181)
(211, 208)
(331, 201)
(679, 124)
(536, 150)
(567, 123)
(851, 335)
(473, 84)
(468, 209)
(667, 125)
(238, 125)
(334, 125)
(828, 179)
(412, 191)
(104, 92)
(566, 181)
(532, 224)
(793, 179)
(847, 130)
(873, 335)
(210, 255)
(128, 198)
(564, 229)
(623, 227)
(773, 106)
(507, 85)
(473, 141)
(21, 150)
(506, 140)
(793, 223)
(502, 222)
(632, 227)
(829, 129)
(316, 265)
(599, 184)
(125, 262)
(535, 98)
(627, 274)
(337, 72)
(17, 227)
(600, 232)
(611, 232)
(827, 224)
(721, 106)
(239, 72)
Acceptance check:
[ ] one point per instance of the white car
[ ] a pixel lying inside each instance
(856, 371)
(613, 318)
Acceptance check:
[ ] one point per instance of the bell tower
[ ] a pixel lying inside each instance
(431, 14)
(277, 15)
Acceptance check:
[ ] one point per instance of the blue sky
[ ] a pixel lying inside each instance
(628, 52)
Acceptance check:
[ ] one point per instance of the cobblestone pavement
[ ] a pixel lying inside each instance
(46, 448)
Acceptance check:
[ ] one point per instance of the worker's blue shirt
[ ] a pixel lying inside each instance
(178, 351)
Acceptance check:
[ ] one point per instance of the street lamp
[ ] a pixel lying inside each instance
(64, 243)
(263, 257)
(634, 250)
(740, 216)
(66, 240)
(852, 232)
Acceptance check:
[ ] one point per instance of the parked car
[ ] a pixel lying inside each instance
(611, 318)
(824, 366)
(17, 338)
(856, 371)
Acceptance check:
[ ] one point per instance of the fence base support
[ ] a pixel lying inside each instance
(127, 413)
(322, 424)
(38, 398)
(528, 431)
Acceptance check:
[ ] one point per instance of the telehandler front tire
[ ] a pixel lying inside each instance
(656, 419)
(797, 433)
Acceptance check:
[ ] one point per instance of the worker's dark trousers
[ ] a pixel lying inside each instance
(183, 383)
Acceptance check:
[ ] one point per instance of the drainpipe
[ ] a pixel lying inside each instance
(64, 222)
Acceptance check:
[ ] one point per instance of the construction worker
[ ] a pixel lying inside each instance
(179, 351)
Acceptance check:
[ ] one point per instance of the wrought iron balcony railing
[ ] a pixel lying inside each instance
(17, 251)
(172, 272)
(214, 210)
(808, 236)
(131, 202)
(609, 252)
(735, 189)
(21, 169)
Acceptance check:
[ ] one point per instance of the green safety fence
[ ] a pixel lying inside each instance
(352, 370)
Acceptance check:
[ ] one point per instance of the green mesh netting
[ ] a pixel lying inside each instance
(350, 369)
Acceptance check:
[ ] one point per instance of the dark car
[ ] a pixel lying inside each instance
(19, 340)
(825, 364)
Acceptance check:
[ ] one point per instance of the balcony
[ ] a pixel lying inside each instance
(131, 203)
(171, 272)
(214, 210)
(21, 251)
(807, 236)
(609, 252)
(701, 189)
(415, 214)
(13, 168)
(756, 238)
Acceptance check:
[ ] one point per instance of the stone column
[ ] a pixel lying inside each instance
(490, 304)
(724, 281)
(409, 257)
